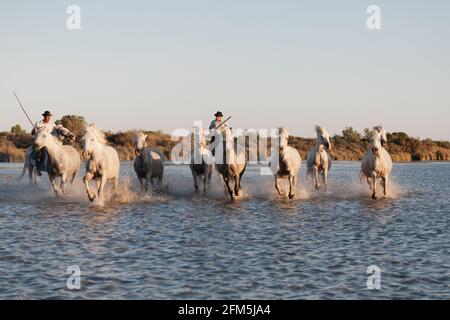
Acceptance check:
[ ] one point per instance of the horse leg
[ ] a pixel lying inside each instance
(152, 182)
(149, 178)
(205, 182)
(102, 184)
(228, 186)
(97, 185)
(141, 182)
(240, 179)
(325, 178)
(291, 186)
(194, 176)
(374, 186)
(210, 172)
(385, 183)
(206, 177)
(369, 182)
(30, 175)
(316, 177)
(63, 183)
(73, 178)
(53, 182)
(115, 184)
(237, 185)
(160, 182)
(277, 186)
(86, 179)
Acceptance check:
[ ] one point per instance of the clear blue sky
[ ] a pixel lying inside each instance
(164, 64)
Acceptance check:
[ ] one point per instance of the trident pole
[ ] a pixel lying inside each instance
(223, 122)
(23, 109)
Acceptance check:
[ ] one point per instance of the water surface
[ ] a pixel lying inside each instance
(173, 244)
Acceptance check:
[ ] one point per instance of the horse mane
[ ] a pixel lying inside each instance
(283, 131)
(378, 129)
(53, 134)
(137, 135)
(321, 131)
(199, 137)
(92, 130)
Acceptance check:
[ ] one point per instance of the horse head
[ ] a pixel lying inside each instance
(283, 136)
(64, 134)
(92, 139)
(323, 138)
(43, 139)
(379, 140)
(139, 142)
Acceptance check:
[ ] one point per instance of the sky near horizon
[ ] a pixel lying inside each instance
(164, 64)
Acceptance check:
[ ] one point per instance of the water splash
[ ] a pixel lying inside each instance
(182, 186)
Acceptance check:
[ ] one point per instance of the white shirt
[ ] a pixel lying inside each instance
(46, 126)
(214, 124)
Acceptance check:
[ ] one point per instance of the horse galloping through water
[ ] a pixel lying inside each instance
(230, 163)
(62, 160)
(377, 162)
(285, 162)
(149, 162)
(202, 161)
(102, 164)
(319, 160)
(62, 135)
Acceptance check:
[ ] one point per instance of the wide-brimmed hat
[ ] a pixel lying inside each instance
(218, 114)
(47, 113)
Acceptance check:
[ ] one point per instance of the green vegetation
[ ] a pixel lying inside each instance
(350, 145)
(17, 129)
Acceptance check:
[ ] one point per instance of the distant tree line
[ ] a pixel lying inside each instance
(349, 145)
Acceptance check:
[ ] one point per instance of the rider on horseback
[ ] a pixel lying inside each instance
(215, 126)
(47, 125)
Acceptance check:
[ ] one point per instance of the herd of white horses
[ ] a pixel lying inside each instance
(103, 165)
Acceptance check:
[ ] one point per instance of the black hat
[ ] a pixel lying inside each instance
(218, 114)
(47, 113)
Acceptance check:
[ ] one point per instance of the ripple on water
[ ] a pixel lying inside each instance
(172, 243)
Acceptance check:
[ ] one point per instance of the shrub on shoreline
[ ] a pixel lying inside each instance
(350, 146)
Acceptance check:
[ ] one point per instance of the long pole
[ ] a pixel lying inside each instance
(23, 109)
(224, 122)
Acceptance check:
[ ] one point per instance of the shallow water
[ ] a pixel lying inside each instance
(173, 244)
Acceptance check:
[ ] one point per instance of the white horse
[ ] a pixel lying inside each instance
(230, 163)
(285, 162)
(319, 160)
(377, 163)
(202, 161)
(62, 161)
(103, 161)
(30, 163)
(149, 162)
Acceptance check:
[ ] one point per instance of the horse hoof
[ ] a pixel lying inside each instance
(374, 197)
(291, 196)
(317, 188)
(91, 198)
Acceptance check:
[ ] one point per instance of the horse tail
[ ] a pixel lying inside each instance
(24, 170)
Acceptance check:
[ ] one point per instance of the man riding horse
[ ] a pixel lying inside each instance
(215, 126)
(47, 125)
